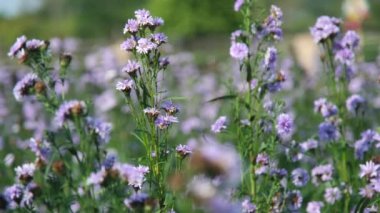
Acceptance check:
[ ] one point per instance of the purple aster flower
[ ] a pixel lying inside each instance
(294, 200)
(125, 86)
(322, 173)
(325, 27)
(369, 170)
(332, 195)
(152, 112)
(220, 124)
(238, 4)
(183, 150)
(25, 172)
(164, 121)
(262, 162)
(300, 177)
(345, 56)
(163, 62)
(17, 46)
(143, 17)
(314, 207)
(14, 193)
(100, 128)
(144, 46)
(285, 126)
(324, 107)
(132, 67)
(135, 176)
(309, 145)
(272, 24)
(248, 207)
(239, 51)
(68, 110)
(270, 59)
(278, 173)
(159, 38)
(371, 209)
(350, 40)
(355, 103)
(367, 191)
(129, 44)
(170, 107)
(328, 132)
(132, 26)
(22, 89)
(34, 44)
(41, 149)
(363, 144)
(157, 21)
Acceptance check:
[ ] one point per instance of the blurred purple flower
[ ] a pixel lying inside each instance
(328, 132)
(239, 51)
(285, 126)
(238, 4)
(300, 177)
(16, 47)
(314, 207)
(144, 46)
(220, 124)
(332, 195)
(325, 27)
(132, 26)
(322, 173)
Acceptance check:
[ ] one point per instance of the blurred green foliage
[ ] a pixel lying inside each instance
(98, 19)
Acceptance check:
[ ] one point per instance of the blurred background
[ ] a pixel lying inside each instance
(189, 23)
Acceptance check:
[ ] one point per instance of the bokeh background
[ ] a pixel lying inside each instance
(189, 23)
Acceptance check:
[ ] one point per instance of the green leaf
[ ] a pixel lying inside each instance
(225, 97)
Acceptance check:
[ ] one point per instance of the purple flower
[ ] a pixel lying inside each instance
(132, 26)
(34, 44)
(170, 107)
(325, 27)
(239, 51)
(25, 172)
(132, 67)
(363, 144)
(143, 17)
(159, 38)
(272, 24)
(238, 4)
(314, 207)
(125, 86)
(69, 110)
(332, 195)
(144, 46)
(135, 176)
(328, 132)
(270, 59)
(322, 173)
(309, 145)
(23, 88)
(285, 126)
(164, 121)
(17, 46)
(350, 40)
(157, 21)
(236, 35)
(248, 207)
(345, 56)
(300, 177)
(152, 112)
(367, 191)
(183, 150)
(100, 128)
(262, 161)
(369, 170)
(294, 200)
(220, 124)
(129, 44)
(354, 103)
(324, 107)
(14, 193)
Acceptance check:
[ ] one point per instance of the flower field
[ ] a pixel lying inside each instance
(145, 127)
